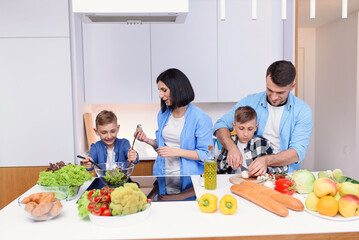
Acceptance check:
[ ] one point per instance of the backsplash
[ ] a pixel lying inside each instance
(129, 115)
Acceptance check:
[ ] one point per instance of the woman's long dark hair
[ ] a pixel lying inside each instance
(180, 88)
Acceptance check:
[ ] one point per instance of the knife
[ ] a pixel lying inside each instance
(244, 169)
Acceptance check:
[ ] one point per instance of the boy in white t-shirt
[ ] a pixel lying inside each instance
(245, 124)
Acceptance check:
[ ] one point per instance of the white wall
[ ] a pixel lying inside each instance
(306, 84)
(336, 96)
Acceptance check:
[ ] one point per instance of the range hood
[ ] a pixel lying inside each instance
(131, 11)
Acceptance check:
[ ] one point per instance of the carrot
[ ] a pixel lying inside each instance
(287, 200)
(259, 199)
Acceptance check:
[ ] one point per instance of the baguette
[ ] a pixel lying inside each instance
(261, 200)
(287, 200)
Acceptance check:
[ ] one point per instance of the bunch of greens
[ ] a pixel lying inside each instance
(115, 177)
(66, 179)
(56, 166)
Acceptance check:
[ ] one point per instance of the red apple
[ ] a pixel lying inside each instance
(324, 186)
(349, 205)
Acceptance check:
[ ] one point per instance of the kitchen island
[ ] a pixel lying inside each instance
(180, 219)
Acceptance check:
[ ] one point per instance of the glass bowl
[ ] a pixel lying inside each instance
(44, 205)
(70, 190)
(115, 174)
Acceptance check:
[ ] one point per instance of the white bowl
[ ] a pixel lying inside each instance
(121, 221)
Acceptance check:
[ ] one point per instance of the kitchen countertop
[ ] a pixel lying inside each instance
(178, 220)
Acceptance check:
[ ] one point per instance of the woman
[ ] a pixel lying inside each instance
(184, 130)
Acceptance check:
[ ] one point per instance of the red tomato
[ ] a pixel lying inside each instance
(97, 211)
(97, 199)
(102, 206)
(106, 212)
(106, 198)
(104, 190)
(90, 207)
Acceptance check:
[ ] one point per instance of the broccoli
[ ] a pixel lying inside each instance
(127, 199)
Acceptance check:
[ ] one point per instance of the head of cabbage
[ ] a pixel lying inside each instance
(304, 180)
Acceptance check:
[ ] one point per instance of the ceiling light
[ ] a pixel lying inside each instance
(312, 8)
(254, 9)
(284, 9)
(344, 8)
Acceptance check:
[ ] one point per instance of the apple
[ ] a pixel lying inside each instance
(337, 173)
(348, 188)
(324, 186)
(349, 205)
(311, 202)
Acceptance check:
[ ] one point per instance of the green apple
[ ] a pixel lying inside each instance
(311, 202)
(348, 188)
(337, 175)
(322, 175)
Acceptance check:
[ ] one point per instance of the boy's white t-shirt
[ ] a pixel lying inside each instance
(241, 147)
(172, 134)
(271, 130)
(110, 158)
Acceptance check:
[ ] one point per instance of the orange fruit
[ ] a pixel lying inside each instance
(328, 206)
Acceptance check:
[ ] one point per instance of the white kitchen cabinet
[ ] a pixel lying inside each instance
(247, 47)
(36, 122)
(35, 18)
(117, 66)
(191, 47)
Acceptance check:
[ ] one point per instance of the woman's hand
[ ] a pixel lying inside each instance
(168, 152)
(131, 155)
(86, 163)
(141, 137)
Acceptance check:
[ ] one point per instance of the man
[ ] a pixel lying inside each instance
(284, 120)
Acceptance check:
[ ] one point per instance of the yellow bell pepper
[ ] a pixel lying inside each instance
(207, 203)
(228, 204)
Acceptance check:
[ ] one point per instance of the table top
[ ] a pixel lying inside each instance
(178, 219)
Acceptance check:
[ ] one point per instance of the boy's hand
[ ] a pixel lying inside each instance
(86, 163)
(234, 158)
(131, 155)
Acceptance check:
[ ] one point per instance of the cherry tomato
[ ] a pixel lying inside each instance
(106, 198)
(106, 212)
(97, 199)
(97, 211)
(104, 191)
(90, 207)
(110, 190)
(102, 206)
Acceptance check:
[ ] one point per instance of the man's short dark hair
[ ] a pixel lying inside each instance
(282, 73)
(180, 88)
(245, 114)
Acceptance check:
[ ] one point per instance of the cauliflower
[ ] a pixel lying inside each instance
(128, 199)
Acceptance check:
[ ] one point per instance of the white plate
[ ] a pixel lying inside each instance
(338, 217)
(117, 221)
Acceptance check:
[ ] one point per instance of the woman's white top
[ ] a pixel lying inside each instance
(172, 135)
(271, 130)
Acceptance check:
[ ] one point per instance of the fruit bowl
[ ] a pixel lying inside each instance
(44, 205)
(70, 190)
(115, 174)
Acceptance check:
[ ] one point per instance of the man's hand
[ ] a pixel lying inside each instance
(258, 166)
(86, 163)
(131, 155)
(167, 152)
(234, 158)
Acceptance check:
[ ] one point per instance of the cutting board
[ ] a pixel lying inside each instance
(237, 179)
(90, 134)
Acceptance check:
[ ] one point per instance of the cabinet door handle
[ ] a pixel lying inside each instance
(223, 10)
